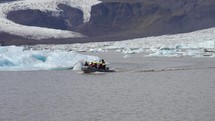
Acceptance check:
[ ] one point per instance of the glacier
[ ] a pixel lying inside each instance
(13, 58)
(37, 33)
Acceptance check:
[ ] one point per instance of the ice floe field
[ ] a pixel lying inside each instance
(194, 44)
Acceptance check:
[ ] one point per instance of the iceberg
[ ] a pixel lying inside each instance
(13, 58)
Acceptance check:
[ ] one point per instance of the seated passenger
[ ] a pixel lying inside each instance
(86, 63)
(102, 64)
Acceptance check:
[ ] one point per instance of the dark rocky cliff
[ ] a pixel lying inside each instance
(37, 18)
(4, 1)
(68, 19)
(115, 18)
(140, 19)
(72, 16)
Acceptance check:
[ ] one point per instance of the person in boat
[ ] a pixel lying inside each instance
(93, 64)
(102, 64)
(86, 63)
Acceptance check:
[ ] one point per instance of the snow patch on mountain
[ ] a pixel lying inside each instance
(33, 32)
(48, 5)
(43, 5)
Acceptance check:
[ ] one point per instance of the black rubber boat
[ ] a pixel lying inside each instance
(89, 69)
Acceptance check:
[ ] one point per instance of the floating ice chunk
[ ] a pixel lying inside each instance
(78, 65)
(17, 58)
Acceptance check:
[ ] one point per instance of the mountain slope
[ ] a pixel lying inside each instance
(111, 20)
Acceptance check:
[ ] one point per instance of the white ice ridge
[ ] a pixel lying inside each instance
(43, 5)
(14, 58)
(186, 44)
